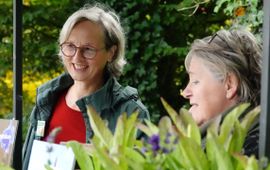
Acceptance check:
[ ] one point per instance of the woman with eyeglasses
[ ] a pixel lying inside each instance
(224, 71)
(92, 49)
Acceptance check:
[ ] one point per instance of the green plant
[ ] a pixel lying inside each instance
(5, 167)
(175, 143)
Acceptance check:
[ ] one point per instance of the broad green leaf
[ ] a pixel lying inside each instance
(97, 163)
(250, 117)
(165, 127)
(240, 161)
(99, 127)
(193, 130)
(210, 151)
(229, 120)
(134, 155)
(237, 139)
(220, 159)
(181, 127)
(252, 163)
(173, 114)
(83, 159)
(105, 159)
(152, 127)
(130, 129)
(5, 167)
(145, 129)
(172, 162)
(119, 134)
(47, 167)
(268, 167)
(194, 154)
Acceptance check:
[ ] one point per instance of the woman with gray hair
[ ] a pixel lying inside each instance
(224, 71)
(92, 49)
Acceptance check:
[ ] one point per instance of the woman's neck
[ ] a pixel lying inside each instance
(81, 89)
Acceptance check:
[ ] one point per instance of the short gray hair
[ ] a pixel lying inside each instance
(113, 32)
(232, 51)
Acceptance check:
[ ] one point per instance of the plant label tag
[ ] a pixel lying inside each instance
(40, 128)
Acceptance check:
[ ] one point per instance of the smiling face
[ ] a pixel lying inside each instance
(87, 34)
(207, 95)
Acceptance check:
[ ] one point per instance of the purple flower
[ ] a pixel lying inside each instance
(155, 147)
(165, 150)
(154, 140)
(144, 150)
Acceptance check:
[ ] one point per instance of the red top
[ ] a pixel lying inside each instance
(71, 122)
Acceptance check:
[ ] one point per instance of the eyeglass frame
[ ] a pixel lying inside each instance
(217, 35)
(95, 50)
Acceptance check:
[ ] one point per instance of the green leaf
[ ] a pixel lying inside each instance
(119, 134)
(179, 124)
(145, 129)
(217, 155)
(172, 162)
(83, 159)
(193, 154)
(105, 159)
(237, 138)
(252, 163)
(229, 121)
(47, 167)
(165, 127)
(250, 117)
(134, 156)
(173, 114)
(99, 127)
(240, 161)
(130, 129)
(152, 127)
(193, 130)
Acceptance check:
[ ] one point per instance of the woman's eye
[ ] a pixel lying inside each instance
(89, 49)
(195, 82)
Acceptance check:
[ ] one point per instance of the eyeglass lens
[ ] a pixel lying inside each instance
(69, 50)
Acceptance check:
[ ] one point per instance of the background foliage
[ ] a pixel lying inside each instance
(158, 32)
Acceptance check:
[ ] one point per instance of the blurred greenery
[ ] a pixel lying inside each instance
(158, 32)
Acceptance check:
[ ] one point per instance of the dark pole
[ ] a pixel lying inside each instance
(265, 90)
(17, 80)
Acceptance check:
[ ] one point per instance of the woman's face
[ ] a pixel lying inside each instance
(87, 34)
(206, 94)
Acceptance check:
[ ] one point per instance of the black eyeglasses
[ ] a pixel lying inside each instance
(220, 37)
(232, 50)
(70, 49)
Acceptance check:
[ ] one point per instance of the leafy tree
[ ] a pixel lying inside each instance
(158, 32)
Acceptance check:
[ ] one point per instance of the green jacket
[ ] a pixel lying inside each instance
(110, 101)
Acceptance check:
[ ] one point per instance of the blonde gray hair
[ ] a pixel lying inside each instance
(113, 32)
(232, 51)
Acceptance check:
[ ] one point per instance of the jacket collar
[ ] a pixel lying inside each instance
(47, 92)
(109, 95)
(101, 99)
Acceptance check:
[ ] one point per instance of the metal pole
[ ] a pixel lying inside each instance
(17, 80)
(264, 141)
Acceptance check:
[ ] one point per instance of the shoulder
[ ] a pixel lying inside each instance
(47, 91)
(56, 82)
(127, 100)
(251, 145)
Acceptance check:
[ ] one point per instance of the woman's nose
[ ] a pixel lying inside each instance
(186, 92)
(78, 54)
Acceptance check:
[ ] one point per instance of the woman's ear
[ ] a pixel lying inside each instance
(231, 85)
(112, 53)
